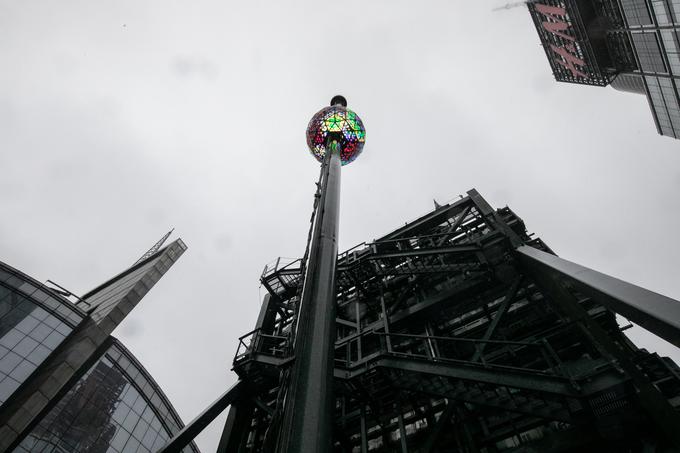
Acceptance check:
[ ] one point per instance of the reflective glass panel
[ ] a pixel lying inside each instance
(28, 334)
(105, 412)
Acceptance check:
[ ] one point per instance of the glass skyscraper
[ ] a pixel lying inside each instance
(634, 45)
(67, 385)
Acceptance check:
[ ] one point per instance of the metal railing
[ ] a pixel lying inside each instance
(278, 264)
(256, 342)
(506, 354)
(367, 345)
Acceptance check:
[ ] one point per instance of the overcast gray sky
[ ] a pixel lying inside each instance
(121, 119)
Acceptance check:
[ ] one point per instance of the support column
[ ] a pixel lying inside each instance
(431, 440)
(656, 313)
(309, 402)
(267, 316)
(551, 280)
(236, 427)
(502, 308)
(364, 431)
(402, 433)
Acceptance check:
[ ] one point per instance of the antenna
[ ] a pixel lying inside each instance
(155, 247)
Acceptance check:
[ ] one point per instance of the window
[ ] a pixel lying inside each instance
(104, 411)
(663, 97)
(661, 12)
(670, 43)
(636, 12)
(675, 10)
(648, 51)
(27, 337)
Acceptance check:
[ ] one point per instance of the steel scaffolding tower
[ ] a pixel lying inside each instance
(457, 332)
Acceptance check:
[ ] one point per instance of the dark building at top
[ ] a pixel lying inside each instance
(632, 45)
(67, 385)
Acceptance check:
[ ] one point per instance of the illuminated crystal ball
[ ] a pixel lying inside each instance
(343, 123)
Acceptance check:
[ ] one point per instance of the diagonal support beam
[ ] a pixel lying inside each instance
(656, 313)
(402, 433)
(401, 297)
(454, 227)
(551, 274)
(431, 440)
(427, 221)
(492, 216)
(507, 300)
(236, 428)
(198, 424)
(437, 251)
(463, 393)
(475, 372)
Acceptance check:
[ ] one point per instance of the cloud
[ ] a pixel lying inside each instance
(194, 66)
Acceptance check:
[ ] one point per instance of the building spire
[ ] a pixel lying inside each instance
(155, 247)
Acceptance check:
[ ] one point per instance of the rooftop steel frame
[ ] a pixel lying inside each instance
(461, 332)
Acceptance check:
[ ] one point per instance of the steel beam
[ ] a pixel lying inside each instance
(476, 372)
(437, 429)
(236, 427)
(427, 221)
(363, 431)
(400, 298)
(427, 269)
(454, 227)
(656, 313)
(426, 252)
(507, 300)
(551, 279)
(493, 218)
(435, 302)
(555, 411)
(402, 433)
(267, 316)
(198, 424)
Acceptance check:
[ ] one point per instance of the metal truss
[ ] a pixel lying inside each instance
(155, 248)
(460, 332)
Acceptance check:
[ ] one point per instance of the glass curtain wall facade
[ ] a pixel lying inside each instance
(66, 385)
(115, 407)
(654, 27)
(33, 322)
